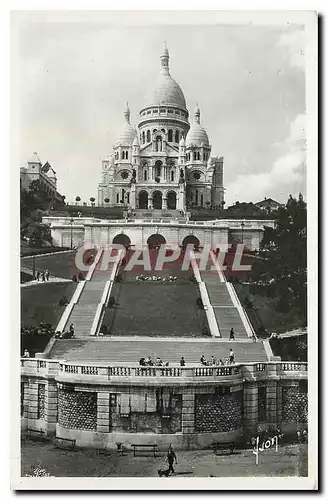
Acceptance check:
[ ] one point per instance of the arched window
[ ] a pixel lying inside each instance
(128, 198)
(145, 175)
(172, 175)
(117, 198)
(195, 155)
(148, 135)
(198, 155)
(177, 136)
(122, 155)
(196, 197)
(170, 136)
(143, 137)
(201, 200)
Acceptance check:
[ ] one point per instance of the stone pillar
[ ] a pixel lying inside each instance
(250, 408)
(188, 411)
(32, 410)
(150, 202)
(271, 401)
(51, 407)
(164, 203)
(103, 412)
(133, 196)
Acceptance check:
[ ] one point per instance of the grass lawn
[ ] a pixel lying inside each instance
(156, 309)
(41, 302)
(61, 265)
(272, 320)
(289, 460)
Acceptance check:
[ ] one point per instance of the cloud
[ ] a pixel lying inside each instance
(286, 176)
(295, 42)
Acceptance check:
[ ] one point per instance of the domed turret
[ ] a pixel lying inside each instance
(197, 135)
(166, 91)
(128, 132)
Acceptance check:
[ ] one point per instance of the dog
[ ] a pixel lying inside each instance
(162, 472)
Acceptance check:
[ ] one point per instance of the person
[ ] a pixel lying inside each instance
(253, 337)
(182, 361)
(71, 328)
(159, 361)
(26, 354)
(231, 356)
(232, 334)
(221, 362)
(142, 362)
(171, 456)
(212, 360)
(38, 275)
(47, 275)
(203, 360)
(43, 277)
(149, 361)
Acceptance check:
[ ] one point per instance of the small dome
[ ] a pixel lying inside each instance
(182, 141)
(128, 132)
(197, 135)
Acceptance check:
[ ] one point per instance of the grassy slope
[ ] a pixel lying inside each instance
(41, 302)
(272, 320)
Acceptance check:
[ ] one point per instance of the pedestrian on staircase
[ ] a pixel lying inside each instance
(231, 356)
(232, 334)
(71, 330)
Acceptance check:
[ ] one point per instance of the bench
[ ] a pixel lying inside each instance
(36, 433)
(64, 443)
(223, 446)
(145, 447)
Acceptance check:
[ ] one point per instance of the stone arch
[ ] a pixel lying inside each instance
(171, 200)
(156, 240)
(191, 239)
(157, 199)
(122, 239)
(143, 199)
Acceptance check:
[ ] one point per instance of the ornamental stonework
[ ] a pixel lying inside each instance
(77, 410)
(218, 413)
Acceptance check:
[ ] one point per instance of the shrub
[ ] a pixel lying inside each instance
(206, 331)
(111, 302)
(63, 301)
(118, 278)
(74, 278)
(81, 277)
(200, 303)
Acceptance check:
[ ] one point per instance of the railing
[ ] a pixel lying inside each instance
(293, 366)
(251, 371)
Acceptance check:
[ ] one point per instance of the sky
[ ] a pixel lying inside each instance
(71, 80)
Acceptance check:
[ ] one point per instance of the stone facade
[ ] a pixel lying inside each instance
(189, 408)
(165, 163)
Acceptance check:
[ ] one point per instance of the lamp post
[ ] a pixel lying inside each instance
(242, 231)
(71, 221)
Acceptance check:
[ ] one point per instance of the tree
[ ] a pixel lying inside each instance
(284, 270)
(92, 201)
(77, 199)
(106, 200)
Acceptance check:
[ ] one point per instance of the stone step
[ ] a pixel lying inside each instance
(130, 351)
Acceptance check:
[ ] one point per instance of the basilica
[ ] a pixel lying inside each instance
(166, 162)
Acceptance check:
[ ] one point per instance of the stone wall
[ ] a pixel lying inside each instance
(219, 412)
(77, 410)
(294, 404)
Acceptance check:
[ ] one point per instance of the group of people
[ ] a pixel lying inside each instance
(141, 277)
(70, 334)
(40, 329)
(149, 362)
(42, 276)
(218, 362)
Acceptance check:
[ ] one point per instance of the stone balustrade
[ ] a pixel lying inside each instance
(246, 371)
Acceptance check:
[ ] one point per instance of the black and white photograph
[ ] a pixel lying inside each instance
(167, 222)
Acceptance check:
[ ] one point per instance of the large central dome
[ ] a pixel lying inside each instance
(166, 90)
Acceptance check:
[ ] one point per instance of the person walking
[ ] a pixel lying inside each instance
(182, 361)
(26, 354)
(47, 275)
(232, 334)
(38, 275)
(43, 277)
(231, 356)
(171, 456)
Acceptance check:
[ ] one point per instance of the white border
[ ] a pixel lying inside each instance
(237, 17)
